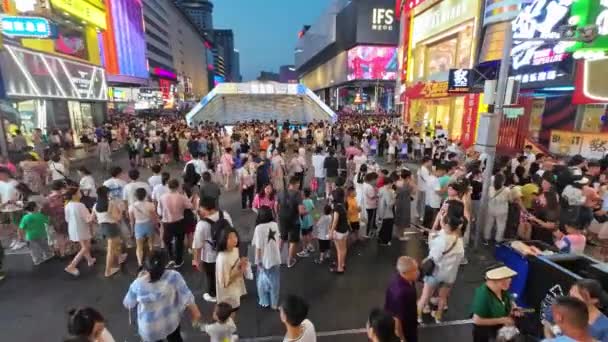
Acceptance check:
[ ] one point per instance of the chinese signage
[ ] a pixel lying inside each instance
(40, 75)
(34, 27)
(538, 63)
(469, 119)
(459, 80)
(83, 10)
(589, 145)
(442, 16)
(513, 112)
(427, 90)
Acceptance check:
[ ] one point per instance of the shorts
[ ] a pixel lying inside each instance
(109, 230)
(434, 282)
(354, 226)
(289, 231)
(324, 245)
(144, 230)
(340, 236)
(306, 231)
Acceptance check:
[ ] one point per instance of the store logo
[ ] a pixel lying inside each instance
(383, 19)
(459, 80)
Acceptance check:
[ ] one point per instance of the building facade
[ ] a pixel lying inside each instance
(288, 74)
(268, 76)
(176, 55)
(224, 39)
(53, 75)
(348, 56)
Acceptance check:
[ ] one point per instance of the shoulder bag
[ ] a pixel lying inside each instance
(427, 266)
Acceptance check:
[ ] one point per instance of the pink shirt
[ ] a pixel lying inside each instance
(259, 202)
(173, 205)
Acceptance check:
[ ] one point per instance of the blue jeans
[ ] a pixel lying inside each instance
(320, 187)
(268, 283)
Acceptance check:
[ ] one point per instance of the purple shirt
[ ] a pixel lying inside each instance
(400, 302)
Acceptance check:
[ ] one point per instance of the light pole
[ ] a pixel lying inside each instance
(488, 145)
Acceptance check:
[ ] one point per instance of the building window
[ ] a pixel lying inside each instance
(160, 40)
(153, 24)
(154, 14)
(158, 51)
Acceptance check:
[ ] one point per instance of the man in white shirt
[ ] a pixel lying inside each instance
(159, 190)
(203, 244)
(115, 184)
(294, 311)
(199, 164)
(128, 192)
(156, 178)
(8, 206)
(318, 158)
(423, 175)
(432, 200)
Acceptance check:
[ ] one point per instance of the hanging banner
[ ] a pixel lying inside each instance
(536, 114)
(469, 120)
(565, 143)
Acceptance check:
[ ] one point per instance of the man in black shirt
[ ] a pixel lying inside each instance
(331, 166)
(290, 209)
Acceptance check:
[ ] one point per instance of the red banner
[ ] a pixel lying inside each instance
(469, 120)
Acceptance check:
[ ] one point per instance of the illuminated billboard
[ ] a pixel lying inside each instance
(372, 63)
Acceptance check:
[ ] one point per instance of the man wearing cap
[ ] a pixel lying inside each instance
(493, 306)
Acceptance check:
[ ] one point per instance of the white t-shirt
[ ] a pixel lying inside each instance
(432, 198)
(199, 166)
(308, 333)
(8, 192)
(128, 192)
(155, 180)
(57, 170)
(317, 164)
(265, 238)
(141, 211)
(87, 185)
(359, 160)
(116, 186)
(423, 175)
(203, 239)
(370, 196)
(157, 192)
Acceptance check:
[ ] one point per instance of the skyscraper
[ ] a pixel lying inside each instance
(225, 40)
(199, 11)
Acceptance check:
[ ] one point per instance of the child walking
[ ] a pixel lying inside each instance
(33, 224)
(322, 231)
(223, 329)
(306, 224)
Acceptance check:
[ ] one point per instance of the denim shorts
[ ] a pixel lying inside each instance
(143, 230)
(434, 282)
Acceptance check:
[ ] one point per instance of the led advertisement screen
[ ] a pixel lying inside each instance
(372, 63)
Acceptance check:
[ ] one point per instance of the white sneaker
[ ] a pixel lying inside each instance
(19, 245)
(310, 249)
(13, 243)
(303, 254)
(207, 297)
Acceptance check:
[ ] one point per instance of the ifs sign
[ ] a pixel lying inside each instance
(383, 19)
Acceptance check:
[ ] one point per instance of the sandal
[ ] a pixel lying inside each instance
(113, 271)
(74, 272)
(92, 263)
(335, 271)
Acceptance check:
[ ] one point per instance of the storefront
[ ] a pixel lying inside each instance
(50, 92)
(442, 38)
(432, 109)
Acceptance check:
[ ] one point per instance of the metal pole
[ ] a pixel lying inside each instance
(489, 146)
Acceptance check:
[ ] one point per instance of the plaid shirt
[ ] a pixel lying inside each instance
(159, 304)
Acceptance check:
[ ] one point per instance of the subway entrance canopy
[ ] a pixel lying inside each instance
(228, 103)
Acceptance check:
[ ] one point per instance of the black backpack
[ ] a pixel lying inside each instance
(217, 227)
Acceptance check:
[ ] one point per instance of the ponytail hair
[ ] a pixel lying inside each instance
(81, 322)
(155, 265)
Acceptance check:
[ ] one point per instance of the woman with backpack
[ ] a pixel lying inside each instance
(108, 213)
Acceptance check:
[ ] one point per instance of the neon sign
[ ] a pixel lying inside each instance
(82, 10)
(591, 12)
(35, 27)
(540, 19)
(163, 73)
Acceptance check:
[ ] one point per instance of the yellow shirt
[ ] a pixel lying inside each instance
(352, 212)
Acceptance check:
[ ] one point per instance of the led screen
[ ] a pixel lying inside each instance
(372, 63)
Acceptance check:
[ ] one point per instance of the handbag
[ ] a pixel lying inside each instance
(427, 266)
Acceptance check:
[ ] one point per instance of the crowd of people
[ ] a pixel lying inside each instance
(317, 190)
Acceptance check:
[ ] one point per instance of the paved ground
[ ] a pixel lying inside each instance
(34, 299)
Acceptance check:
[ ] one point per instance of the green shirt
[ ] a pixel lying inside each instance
(487, 305)
(34, 225)
(443, 182)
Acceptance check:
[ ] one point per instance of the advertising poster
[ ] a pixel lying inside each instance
(469, 120)
(536, 114)
(372, 63)
(565, 143)
(594, 146)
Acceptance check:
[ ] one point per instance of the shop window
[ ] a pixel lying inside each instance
(592, 117)
(465, 44)
(441, 56)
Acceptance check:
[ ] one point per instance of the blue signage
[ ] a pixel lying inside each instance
(34, 27)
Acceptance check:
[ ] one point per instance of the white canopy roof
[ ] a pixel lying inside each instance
(228, 103)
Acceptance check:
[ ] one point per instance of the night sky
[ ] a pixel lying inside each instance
(265, 31)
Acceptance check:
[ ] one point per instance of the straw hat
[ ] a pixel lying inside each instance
(500, 272)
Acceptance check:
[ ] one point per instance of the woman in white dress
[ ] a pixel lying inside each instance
(77, 216)
(278, 170)
(87, 182)
(392, 148)
(230, 270)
